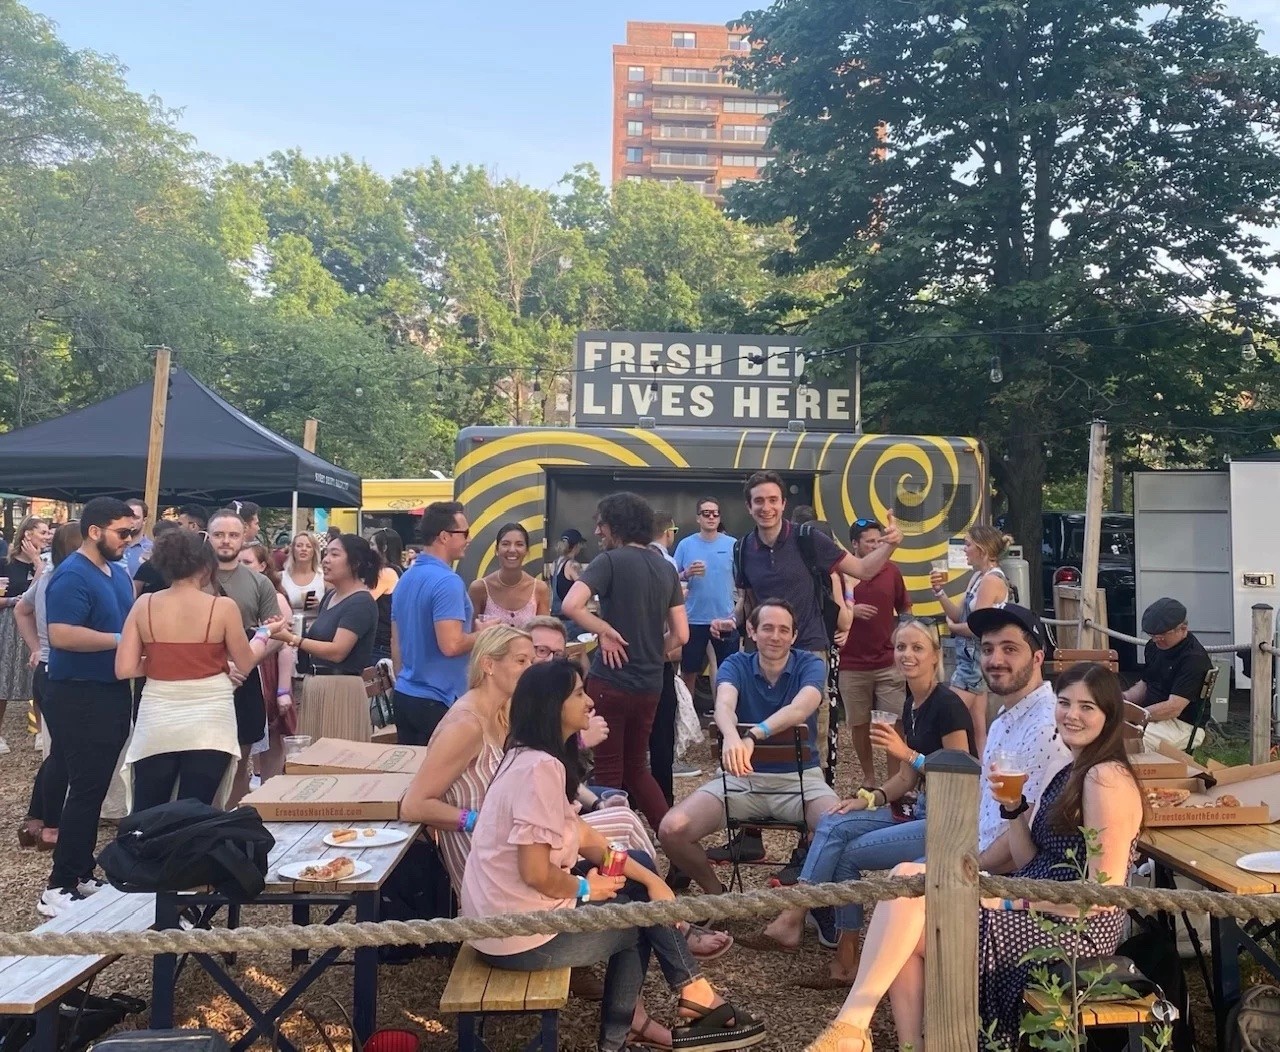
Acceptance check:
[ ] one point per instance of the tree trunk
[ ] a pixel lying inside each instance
(1022, 480)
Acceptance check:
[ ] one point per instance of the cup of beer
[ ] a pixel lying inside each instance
(938, 572)
(614, 798)
(1008, 776)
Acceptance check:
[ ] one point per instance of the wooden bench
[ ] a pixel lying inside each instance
(476, 990)
(34, 986)
(1134, 1016)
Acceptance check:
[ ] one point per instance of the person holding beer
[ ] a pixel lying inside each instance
(1096, 792)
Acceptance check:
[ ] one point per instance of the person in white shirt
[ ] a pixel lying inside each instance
(1011, 655)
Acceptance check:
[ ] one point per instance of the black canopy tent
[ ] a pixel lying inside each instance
(213, 453)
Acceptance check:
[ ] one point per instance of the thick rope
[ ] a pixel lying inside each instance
(1222, 648)
(763, 903)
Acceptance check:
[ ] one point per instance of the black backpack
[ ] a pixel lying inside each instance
(186, 844)
(825, 601)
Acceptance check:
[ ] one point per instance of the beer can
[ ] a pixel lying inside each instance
(615, 858)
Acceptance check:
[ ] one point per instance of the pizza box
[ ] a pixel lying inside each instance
(339, 756)
(385, 735)
(329, 797)
(1256, 788)
(1148, 765)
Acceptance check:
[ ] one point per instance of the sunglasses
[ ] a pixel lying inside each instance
(710, 514)
(460, 533)
(125, 533)
(862, 524)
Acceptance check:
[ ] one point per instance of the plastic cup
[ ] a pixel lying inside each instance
(882, 716)
(939, 565)
(615, 798)
(295, 743)
(1008, 776)
(4, 586)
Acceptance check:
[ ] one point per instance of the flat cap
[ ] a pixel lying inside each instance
(1162, 616)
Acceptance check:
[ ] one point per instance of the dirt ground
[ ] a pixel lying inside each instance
(409, 995)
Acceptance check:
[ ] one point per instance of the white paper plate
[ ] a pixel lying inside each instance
(293, 871)
(586, 637)
(1260, 862)
(380, 838)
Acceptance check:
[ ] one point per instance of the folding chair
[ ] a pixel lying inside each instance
(1206, 705)
(1064, 659)
(789, 745)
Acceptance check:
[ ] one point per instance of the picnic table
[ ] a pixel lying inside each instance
(1207, 855)
(295, 842)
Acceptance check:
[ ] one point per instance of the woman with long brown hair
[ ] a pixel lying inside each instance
(1098, 792)
(25, 566)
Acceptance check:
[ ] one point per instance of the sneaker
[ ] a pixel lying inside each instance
(680, 769)
(749, 846)
(4, 747)
(790, 873)
(822, 919)
(56, 900)
(90, 886)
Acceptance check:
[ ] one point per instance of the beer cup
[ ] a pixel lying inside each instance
(1008, 777)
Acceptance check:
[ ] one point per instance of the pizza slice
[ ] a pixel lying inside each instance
(1159, 797)
(335, 869)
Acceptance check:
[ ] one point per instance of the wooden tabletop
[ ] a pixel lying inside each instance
(304, 842)
(1208, 854)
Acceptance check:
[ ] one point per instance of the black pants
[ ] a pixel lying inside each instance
(49, 792)
(662, 739)
(90, 724)
(197, 774)
(416, 718)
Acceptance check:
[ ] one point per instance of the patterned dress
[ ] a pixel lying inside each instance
(1005, 936)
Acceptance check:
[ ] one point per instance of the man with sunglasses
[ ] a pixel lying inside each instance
(431, 618)
(705, 563)
(88, 708)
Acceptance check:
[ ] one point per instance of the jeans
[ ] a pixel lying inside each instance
(197, 774)
(845, 845)
(416, 718)
(622, 759)
(627, 950)
(662, 739)
(49, 792)
(90, 723)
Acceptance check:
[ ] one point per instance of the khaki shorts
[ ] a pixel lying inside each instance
(770, 797)
(862, 691)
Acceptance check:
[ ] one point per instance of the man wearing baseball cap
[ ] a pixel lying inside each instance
(1011, 656)
(1175, 668)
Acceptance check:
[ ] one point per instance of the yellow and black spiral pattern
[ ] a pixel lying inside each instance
(937, 487)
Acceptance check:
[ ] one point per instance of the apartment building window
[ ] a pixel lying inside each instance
(744, 160)
(680, 75)
(635, 127)
(749, 106)
(635, 155)
(684, 131)
(635, 73)
(684, 40)
(635, 178)
(744, 132)
(685, 158)
(739, 42)
(683, 102)
(635, 99)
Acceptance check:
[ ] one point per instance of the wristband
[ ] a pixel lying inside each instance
(117, 635)
(868, 797)
(584, 890)
(1006, 904)
(467, 821)
(261, 632)
(762, 730)
(1010, 813)
(918, 761)
(283, 693)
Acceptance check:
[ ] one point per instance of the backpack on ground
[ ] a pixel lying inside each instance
(826, 603)
(1253, 1024)
(186, 844)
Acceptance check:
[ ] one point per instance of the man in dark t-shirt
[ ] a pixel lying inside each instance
(1173, 679)
(641, 616)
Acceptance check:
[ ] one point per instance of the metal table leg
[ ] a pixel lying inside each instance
(164, 966)
(364, 1010)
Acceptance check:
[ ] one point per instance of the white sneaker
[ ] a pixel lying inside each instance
(90, 886)
(680, 769)
(56, 900)
(4, 747)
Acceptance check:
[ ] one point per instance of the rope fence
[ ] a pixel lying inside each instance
(1220, 648)
(603, 917)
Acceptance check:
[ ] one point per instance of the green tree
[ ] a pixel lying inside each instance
(1062, 188)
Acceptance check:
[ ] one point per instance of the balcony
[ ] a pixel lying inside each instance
(686, 134)
(689, 109)
(670, 164)
(714, 83)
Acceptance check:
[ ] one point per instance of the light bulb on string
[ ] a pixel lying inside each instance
(997, 371)
(1247, 350)
(537, 381)
(359, 389)
(439, 382)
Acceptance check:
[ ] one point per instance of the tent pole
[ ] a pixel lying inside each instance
(155, 444)
(294, 518)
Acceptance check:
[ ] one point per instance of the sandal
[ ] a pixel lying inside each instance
(759, 940)
(641, 1039)
(716, 1029)
(698, 929)
(841, 1037)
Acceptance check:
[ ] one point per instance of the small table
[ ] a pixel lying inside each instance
(295, 842)
(1207, 855)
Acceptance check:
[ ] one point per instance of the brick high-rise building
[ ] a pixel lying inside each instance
(677, 116)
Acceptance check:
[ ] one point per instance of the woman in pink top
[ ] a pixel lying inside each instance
(509, 596)
(524, 856)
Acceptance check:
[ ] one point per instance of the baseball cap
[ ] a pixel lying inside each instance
(990, 618)
(572, 536)
(1163, 615)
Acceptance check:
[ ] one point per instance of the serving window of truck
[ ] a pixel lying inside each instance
(676, 417)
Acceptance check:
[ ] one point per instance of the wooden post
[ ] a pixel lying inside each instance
(155, 443)
(1261, 684)
(1093, 532)
(309, 430)
(951, 902)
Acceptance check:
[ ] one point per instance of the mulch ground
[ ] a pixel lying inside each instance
(409, 995)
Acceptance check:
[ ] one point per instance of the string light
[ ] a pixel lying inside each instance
(1247, 350)
(997, 372)
(359, 389)
(537, 381)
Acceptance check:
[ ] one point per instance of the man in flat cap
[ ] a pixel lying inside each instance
(1176, 666)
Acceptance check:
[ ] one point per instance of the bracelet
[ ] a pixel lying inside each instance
(467, 821)
(1006, 904)
(1010, 813)
(584, 890)
(117, 638)
(918, 761)
(283, 693)
(868, 797)
(762, 729)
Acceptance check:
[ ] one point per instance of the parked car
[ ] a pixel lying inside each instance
(1062, 554)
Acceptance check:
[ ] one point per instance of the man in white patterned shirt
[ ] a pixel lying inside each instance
(1011, 654)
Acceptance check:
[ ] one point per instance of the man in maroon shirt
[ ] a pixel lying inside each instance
(869, 676)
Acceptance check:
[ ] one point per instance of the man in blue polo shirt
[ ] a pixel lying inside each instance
(774, 689)
(431, 621)
(88, 709)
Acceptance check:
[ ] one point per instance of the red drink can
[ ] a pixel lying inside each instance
(615, 859)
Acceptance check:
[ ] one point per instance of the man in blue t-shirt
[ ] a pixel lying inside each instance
(431, 622)
(705, 563)
(772, 690)
(88, 709)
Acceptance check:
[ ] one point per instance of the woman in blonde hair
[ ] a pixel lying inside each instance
(869, 831)
(983, 546)
(301, 577)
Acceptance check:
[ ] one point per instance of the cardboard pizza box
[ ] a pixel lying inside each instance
(1256, 789)
(329, 797)
(1148, 765)
(385, 735)
(339, 756)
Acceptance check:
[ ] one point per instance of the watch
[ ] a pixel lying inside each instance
(753, 734)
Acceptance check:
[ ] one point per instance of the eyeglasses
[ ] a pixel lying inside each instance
(709, 514)
(548, 652)
(462, 533)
